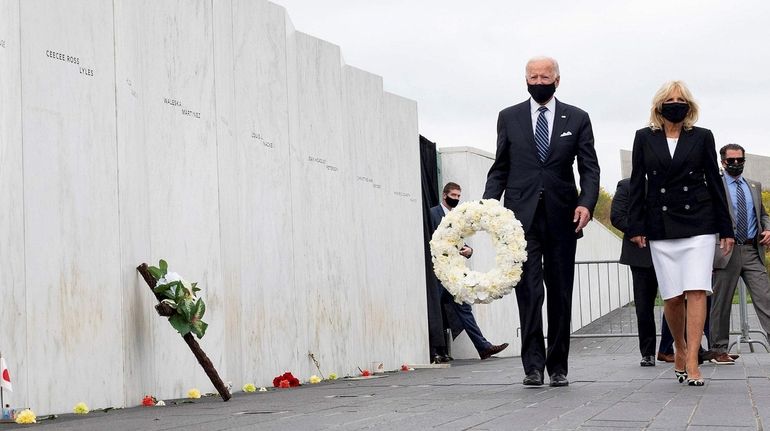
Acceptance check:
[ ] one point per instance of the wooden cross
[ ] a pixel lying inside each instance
(166, 311)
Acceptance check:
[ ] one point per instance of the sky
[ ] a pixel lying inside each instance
(464, 61)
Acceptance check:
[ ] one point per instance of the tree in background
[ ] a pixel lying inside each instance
(602, 211)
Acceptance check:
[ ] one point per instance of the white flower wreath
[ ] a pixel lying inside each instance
(507, 237)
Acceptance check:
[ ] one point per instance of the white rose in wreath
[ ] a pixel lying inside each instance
(507, 238)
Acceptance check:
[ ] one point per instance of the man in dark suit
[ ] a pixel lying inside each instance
(747, 259)
(645, 281)
(459, 316)
(538, 141)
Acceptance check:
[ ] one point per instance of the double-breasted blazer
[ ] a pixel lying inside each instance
(760, 214)
(518, 172)
(684, 195)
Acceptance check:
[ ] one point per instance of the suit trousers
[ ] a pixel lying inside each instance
(746, 264)
(645, 290)
(550, 259)
(464, 313)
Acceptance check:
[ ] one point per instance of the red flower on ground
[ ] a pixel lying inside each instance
(366, 373)
(287, 377)
(148, 401)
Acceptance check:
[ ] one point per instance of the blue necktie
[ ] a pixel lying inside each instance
(741, 216)
(541, 134)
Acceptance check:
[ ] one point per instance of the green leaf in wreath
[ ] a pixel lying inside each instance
(199, 309)
(163, 266)
(186, 309)
(163, 288)
(156, 273)
(180, 324)
(199, 328)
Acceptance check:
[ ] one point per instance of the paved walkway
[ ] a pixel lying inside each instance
(608, 390)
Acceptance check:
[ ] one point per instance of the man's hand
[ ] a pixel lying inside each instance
(640, 241)
(581, 219)
(726, 244)
(466, 251)
(765, 238)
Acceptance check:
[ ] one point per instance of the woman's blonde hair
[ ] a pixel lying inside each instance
(656, 119)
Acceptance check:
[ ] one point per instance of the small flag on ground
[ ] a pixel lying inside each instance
(5, 376)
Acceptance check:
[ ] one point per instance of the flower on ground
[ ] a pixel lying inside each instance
(315, 379)
(160, 403)
(148, 401)
(333, 376)
(366, 373)
(80, 409)
(249, 387)
(288, 377)
(284, 384)
(405, 367)
(263, 389)
(26, 417)
(193, 393)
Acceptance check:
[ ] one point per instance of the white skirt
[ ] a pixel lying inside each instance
(683, 264)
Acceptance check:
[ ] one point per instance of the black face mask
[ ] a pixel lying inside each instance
(451, 203)
(541, 93)
(675, 112)
(735, 169)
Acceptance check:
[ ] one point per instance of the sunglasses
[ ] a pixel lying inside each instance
(735, 160)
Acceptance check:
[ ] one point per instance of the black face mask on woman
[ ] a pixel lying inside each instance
(541, 93)
(675, 112)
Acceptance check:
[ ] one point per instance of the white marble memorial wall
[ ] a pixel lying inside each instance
(168, 183)
(366, 153)
(72, 251)
(255, 192)
(13, 324)
(215, 136)
(406, 295)
(322, 208)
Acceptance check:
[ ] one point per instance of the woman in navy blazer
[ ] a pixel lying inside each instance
(678, 215)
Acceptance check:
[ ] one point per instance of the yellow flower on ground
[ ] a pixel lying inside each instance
(315, 379)
(333, 376)
(80, 409)
(26, 417)
(193, 393)
(249, 387)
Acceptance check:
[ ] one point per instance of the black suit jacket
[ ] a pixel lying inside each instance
(684, 196)
(630, 254)
(518, 172)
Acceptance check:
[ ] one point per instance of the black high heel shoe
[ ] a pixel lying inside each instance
(681, 376)
(695, 382)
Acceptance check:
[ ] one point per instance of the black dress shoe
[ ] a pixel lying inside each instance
(647, 361)
(533, 378)
(492, 350)
(559, 379)
(436, 359)
(448, 358)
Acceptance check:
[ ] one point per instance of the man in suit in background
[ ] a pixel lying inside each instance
(458, 316)
(538, 141)
(747, 259)
(645, 284)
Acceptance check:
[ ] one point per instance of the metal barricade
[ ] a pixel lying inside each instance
(744, 336)
(602, 287)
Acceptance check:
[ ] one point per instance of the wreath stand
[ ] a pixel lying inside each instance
(166, 311)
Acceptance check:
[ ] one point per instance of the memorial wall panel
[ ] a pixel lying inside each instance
(322, 207)
(168, 179)
(255, 191)
(371, 240)
(409, 334)
(13, 321)
(70, 204)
